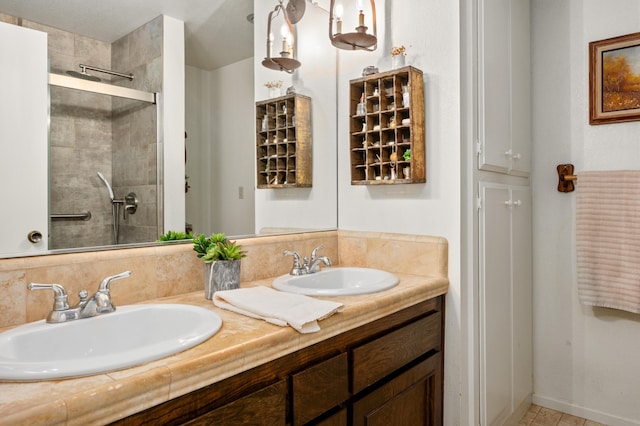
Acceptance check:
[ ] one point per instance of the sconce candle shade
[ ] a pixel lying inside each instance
(357, 40)
(286, 61)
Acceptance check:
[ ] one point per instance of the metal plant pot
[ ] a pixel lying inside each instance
(221, 275)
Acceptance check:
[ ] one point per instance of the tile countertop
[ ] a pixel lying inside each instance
(241, 344)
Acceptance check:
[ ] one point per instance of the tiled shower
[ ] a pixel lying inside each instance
(92, 133)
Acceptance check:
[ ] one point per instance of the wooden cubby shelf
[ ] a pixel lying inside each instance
(283, 142)
(386, 120)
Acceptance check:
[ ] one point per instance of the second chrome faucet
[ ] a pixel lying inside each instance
(307, 266)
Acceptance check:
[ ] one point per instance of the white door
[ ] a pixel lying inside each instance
(23, 139)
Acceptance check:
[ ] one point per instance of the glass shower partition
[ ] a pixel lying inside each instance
(97, 127)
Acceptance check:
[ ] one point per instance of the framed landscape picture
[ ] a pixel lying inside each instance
(614, 79)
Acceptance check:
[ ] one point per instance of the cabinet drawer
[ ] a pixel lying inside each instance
(264, 407)
(320, 388)
(409, 399)
(380, 357)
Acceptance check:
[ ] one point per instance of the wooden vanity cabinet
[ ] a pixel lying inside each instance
(387, 372)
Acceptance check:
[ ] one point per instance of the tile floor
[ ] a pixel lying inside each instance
(540, 416)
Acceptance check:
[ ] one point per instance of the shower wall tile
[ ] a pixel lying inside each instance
(120, 55)
(150, 75)
(145, 43)
(94, 52)
(135, 129)
(152, 166)
(93, 132)
(8, 19)
(144, 129)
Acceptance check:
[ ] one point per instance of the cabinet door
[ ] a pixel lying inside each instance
(319, 388)
(23, 137)
(505, 300)
(520, 89)
(409, 399)
(504, 122)
(495, 304)
(522, 294)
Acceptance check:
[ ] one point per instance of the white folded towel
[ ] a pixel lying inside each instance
(277, 307)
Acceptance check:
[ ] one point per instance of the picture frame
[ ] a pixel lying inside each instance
(614, 79)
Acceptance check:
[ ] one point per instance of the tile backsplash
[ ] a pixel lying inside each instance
(173, 269)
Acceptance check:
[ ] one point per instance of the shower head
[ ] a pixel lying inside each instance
(83, 75)
(102, 178)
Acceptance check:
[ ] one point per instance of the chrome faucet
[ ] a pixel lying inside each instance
(98, 304)
(307, 266)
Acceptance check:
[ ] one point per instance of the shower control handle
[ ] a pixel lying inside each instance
(130, 204)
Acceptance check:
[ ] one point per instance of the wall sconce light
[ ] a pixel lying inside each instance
(358, 40)
(286, 61)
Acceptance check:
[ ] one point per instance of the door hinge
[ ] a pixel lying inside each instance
(479, 203)
(478, 147)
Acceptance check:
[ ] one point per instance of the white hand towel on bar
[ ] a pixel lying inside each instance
(608, 239)
(277, 307)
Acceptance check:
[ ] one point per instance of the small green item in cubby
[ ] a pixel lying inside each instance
(407, 155)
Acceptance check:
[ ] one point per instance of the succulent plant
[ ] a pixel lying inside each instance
(175, 236)
(217, 247)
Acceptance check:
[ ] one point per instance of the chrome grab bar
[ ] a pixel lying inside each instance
(73, 216)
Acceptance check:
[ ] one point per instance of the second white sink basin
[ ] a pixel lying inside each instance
(130, 336)
(337, 282)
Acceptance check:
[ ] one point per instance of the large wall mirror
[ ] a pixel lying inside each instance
(102, 148)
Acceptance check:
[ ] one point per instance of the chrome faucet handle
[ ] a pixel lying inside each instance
(61, 311)
(297, 269)
(314, 253)
(105, 285)
(296, 257)
(100, 303)
(61, 299)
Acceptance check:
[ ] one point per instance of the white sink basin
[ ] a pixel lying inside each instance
(337, 282)
(131, 335)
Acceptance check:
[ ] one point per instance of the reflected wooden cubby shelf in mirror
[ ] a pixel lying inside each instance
(386, 120)
(284, 142)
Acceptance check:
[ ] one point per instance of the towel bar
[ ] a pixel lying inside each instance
(73, 216)
(566, 178)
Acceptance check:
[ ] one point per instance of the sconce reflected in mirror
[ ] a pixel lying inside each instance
(286, 61)
(358, 40)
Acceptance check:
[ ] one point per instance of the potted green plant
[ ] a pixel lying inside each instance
(222, 259)
(174, 236)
